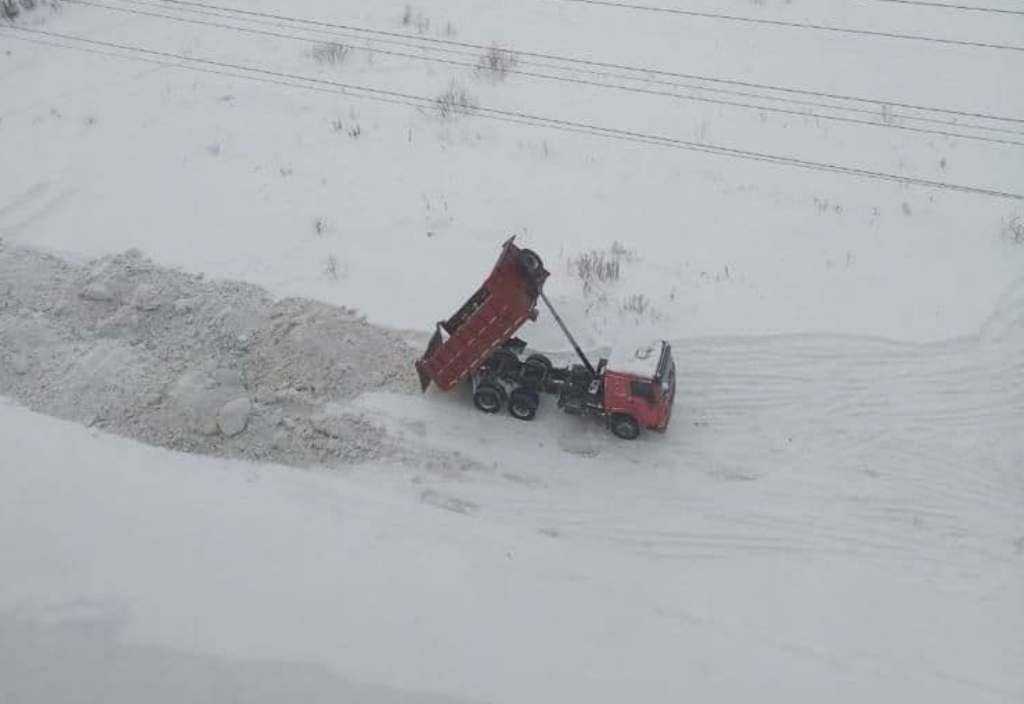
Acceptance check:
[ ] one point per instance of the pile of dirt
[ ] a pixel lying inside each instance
(176, 360)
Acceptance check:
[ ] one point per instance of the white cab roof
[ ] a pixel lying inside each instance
(641, 360)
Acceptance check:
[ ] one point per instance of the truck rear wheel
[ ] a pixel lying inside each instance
(523, 403)
(489, 397)
(502, 361)
(535, 370)
(540, 360)
(625, 426)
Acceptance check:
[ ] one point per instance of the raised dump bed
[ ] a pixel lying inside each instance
(487, 321)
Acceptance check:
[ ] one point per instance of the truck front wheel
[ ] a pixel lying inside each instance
(625, 426)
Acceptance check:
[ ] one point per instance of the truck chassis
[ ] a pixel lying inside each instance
(507, 378)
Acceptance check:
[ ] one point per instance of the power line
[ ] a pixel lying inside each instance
(952, 6)
(634, 74)
(800, 25)
(586, 82)
(509, 116)
(641, 71)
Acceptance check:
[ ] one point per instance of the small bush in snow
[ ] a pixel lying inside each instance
(352, 128)
(330, 53)
(621, 252)
(453, 102)
(10, 9)
(600, 266)
(596, 266)
(415, 18)
(331, 267)
(497, 62)
(638, 304)
(1013, 228)
(823, 206)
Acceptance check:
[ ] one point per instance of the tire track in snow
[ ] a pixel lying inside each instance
(34, 204)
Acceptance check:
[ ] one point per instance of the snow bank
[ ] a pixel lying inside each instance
(190, 364)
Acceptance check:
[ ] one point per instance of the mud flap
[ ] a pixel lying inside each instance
(435, 342)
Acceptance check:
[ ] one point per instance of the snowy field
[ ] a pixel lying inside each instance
(218, 479)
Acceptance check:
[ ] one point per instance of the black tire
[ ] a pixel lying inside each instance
(540, 360)
(523, 403)
(501, 360)
(535, 370)
(489, 397)
(624, 426)
(531, 263)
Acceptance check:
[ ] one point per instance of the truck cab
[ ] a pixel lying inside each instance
(639, 388)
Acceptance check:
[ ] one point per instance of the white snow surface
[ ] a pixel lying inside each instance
(835, 514)
(263, 182)
(593, 573)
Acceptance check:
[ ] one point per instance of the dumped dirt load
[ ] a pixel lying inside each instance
(179, 361)
(314, 348)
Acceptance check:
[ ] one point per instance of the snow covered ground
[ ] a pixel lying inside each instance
(579, 578)
(231, 177)
(837, 511)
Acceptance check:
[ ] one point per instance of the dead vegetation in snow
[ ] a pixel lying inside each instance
(454, 101)
(414, 18)
(1013, 229)
(596, 267)
(12, 9)
(497, 62)
(330, 53)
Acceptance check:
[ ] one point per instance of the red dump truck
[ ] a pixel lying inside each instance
(630, 392)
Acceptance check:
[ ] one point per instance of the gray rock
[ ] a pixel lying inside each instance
(327, 424)
(209, 425)
(234, 416)
(19, 363)
(97, 291)
(146, 298)
(227, 377)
